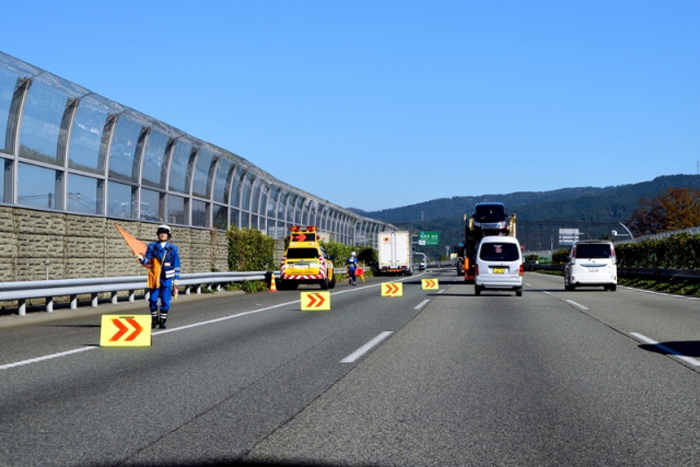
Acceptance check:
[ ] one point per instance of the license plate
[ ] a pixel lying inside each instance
(592, 269)
(499, 270)
(301, 266)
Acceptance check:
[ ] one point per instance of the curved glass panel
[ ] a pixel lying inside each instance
(41, 124)
(255, 206)
(272, 202)
(86, 138)
(5, 181)
(37, 186)
(235, 215)
(298, 211)
(179, 174)
(199, 213)
(282, 205)
(83, 194)
(245, 191)
(291, 207)
(237, 180)
(123, 150)
(220, 217)
(153, 172)
(201, 174)
(263, 203)
(245, 220)
(221, 185)
(8, 81)
(306, 213)
(176, 210)
(150, 205)
(121, 201)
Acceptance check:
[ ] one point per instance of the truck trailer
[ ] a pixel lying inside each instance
(394, 253)
(488, 219)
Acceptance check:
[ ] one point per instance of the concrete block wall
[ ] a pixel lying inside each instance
(83, 246)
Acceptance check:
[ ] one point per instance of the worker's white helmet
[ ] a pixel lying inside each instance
(353, 254)
(164, 229)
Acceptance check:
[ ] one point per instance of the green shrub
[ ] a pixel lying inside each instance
(250, 250)
(681, 251)
(559, 256)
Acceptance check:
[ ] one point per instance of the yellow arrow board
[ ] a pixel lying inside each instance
(125, 331)
(392, 289)
(315, 301)
(430, 284)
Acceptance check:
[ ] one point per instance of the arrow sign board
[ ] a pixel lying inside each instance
(125, 331)
(392, 289)
(315, 301)
(430, 284)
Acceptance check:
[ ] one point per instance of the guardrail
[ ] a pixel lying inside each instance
(25, 290)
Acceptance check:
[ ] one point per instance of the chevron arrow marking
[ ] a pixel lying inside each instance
(391, 289)
(125, 331)
(315, 301)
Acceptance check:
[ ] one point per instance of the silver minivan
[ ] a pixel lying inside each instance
(499, 265)
(591, 263)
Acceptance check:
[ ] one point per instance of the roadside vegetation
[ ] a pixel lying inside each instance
(250, 250)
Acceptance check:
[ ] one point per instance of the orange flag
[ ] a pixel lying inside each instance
(137, 246)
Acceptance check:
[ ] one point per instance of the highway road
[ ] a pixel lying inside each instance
(431, 378)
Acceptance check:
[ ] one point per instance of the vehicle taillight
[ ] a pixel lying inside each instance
(521, 270)
(476, 270)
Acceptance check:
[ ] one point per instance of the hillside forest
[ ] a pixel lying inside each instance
(657, 205)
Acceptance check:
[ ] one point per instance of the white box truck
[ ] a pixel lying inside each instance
(394, 253)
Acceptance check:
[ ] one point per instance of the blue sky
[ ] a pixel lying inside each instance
(380, 104)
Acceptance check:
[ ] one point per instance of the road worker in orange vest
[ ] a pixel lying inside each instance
(163, 260)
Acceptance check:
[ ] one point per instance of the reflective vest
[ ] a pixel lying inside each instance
(163, 263)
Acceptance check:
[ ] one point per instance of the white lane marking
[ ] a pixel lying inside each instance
(421, 304)
(366, 348)
(578, 305)
(669, 350)
(46, 357)
(441, 291)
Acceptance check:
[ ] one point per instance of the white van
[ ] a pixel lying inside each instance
(591, 263)
(499, 265)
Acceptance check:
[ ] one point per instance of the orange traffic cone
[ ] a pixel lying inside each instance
(273, 287)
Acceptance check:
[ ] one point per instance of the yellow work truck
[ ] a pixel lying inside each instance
(305, 261)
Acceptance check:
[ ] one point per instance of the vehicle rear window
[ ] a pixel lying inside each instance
(593, 251)
(499, 252)
(302, 253)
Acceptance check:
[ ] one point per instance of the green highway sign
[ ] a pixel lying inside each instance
(428, 238)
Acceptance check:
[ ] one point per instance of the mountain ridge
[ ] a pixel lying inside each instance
(595, 210)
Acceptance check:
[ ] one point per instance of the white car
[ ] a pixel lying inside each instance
(591, 263)
(499, 265)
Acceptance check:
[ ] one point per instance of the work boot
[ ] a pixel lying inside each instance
(154, 322)
(162, 323)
